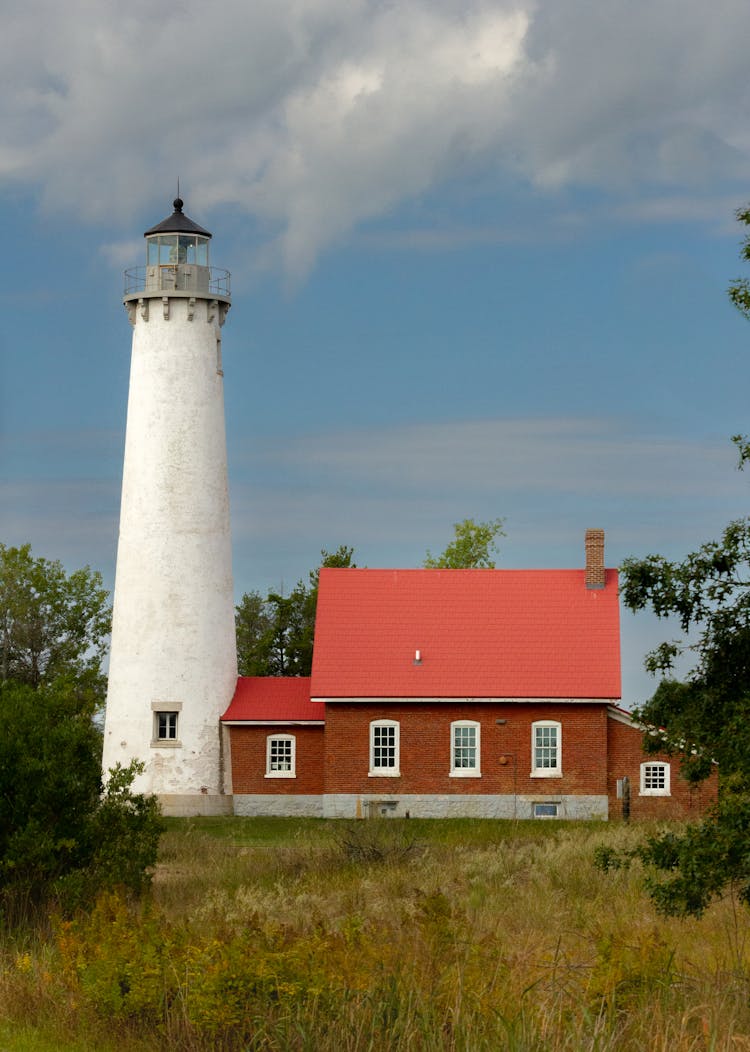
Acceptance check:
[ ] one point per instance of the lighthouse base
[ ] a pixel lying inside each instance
(190, 805)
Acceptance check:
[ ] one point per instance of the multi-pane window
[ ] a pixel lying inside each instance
(655, 779)
(464, 749)
(546, 749)
(166, 726)
(384, 747)
(280, 756)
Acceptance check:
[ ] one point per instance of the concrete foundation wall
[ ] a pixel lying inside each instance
(191, 805)
(346, 805)
(287, 806)
(349, 805)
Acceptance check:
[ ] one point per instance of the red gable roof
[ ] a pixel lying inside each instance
(479, 633)
(273, 699)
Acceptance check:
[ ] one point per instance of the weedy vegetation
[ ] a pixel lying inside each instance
(283, 934)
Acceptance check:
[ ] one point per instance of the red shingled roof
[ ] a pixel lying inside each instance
(273, 699)
(480, 633)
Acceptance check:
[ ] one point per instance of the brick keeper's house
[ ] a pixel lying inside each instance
(484, 693)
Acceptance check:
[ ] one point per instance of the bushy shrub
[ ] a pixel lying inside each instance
(61, 835)
(377, 840)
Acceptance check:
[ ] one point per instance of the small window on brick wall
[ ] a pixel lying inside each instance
(655, 779)
(281, 756)
(465, 749)
(384, 748)
(546, 749)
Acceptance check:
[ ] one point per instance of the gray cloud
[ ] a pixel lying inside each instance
(317, 115)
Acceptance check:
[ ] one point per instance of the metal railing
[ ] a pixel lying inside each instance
(181, 277)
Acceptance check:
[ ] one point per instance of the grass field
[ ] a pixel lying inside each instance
(381, 935)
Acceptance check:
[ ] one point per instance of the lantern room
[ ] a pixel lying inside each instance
(177, 261)
(177, 254)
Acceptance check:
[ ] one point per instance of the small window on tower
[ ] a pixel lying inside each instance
(165, 727)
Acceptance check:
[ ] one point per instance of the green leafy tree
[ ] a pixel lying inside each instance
(63, 835)
(254, 625)
(275, 635)
(51, 623)
(702, 719)
(471, 548)
(739, 290)
(705, 718)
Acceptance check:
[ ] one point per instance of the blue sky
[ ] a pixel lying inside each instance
(479, 258)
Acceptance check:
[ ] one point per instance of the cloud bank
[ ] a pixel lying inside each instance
(315, 116)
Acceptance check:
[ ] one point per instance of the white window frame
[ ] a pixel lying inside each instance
(292, 772)
(538, 771)
(385, 772)
(539, 806)
(473, 771)
(650, 791)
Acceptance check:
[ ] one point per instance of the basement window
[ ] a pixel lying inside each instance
(655, 779)
(281, 756)
(545, 810)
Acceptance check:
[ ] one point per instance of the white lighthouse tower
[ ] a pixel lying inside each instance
(173, 659)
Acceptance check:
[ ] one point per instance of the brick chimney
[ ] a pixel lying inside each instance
(595, 558)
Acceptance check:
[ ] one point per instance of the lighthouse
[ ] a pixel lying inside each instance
(173, 658)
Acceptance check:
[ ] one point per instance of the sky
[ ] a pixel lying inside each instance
(479, 255)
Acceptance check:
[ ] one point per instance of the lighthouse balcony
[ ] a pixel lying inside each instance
(188, 279)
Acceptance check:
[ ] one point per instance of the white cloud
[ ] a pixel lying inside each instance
(317, 115)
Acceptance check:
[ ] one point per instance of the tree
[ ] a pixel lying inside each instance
(471, 547)
(739, 290)
(62, 834)
(275, 635)
(254, 623)
(704, 718)
(51, 624)
(701, 720)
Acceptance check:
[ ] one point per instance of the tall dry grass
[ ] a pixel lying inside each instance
(386, 935)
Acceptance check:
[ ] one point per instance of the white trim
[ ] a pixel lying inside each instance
(385, 772)
(546, 772)
(466, 772)
(292, 772)
(273, 723)
(621, 716)
(461, 699)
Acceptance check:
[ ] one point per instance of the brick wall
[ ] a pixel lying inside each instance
(505, 749)
(248, 746)
(597, 750)
(625, 758)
